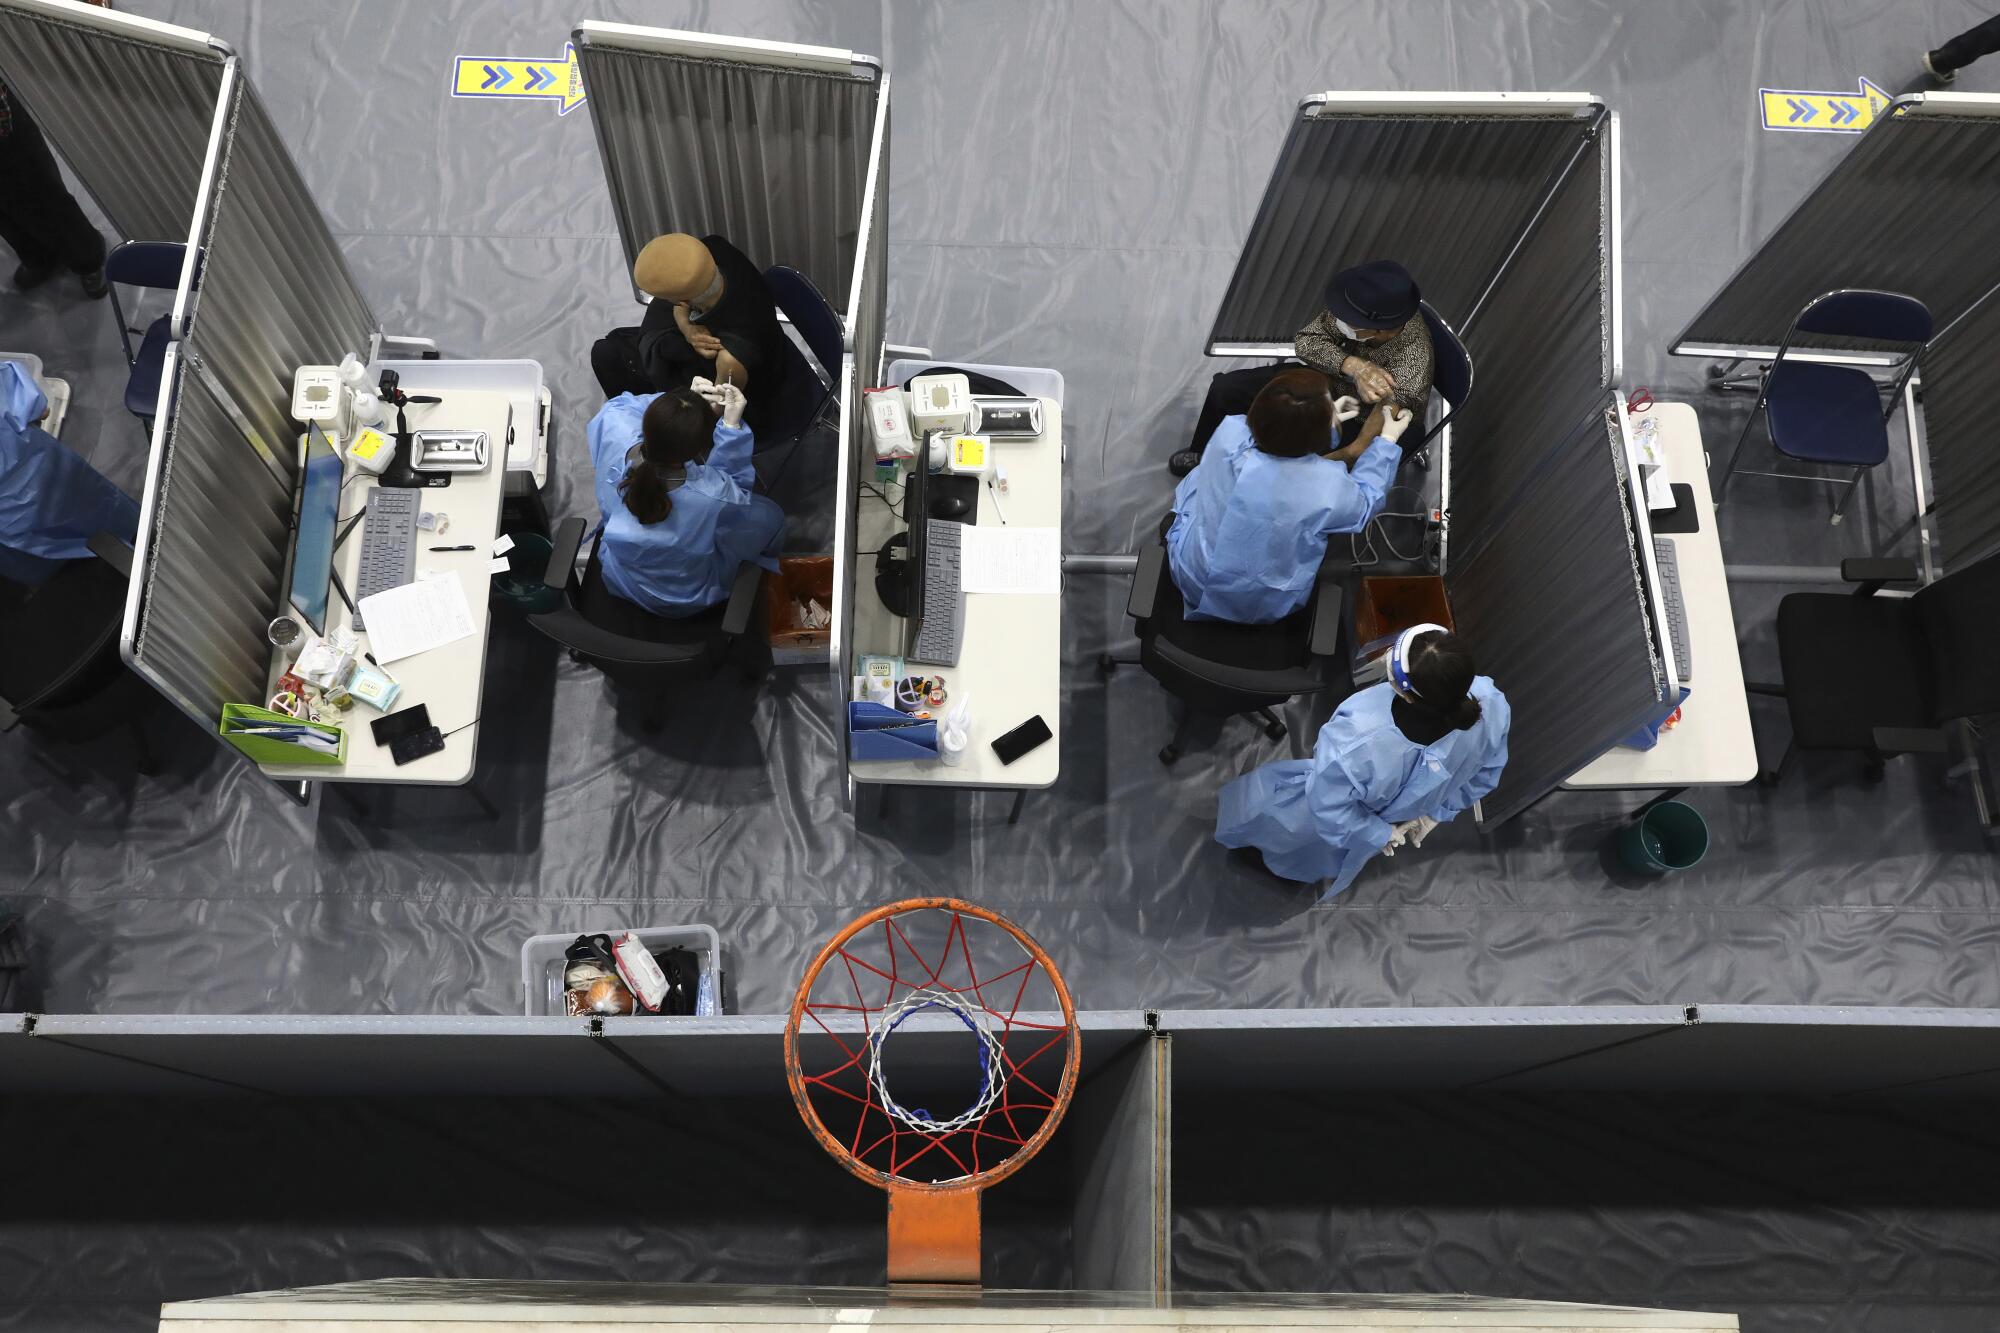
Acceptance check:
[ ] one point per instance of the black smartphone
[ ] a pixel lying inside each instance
(416, 745)
(407, 722)
(1021, 739)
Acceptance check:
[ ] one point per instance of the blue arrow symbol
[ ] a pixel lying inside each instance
(1800, 110)
(534, 80)
(496, 77)
(1844, 112)
(539, 77)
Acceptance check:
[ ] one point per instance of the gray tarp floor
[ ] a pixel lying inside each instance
(1072, 181)
(1126, 145)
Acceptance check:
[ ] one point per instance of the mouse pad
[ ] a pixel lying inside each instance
(1682, 517)
(965, 488)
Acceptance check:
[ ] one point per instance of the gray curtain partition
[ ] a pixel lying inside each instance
(273, 294)
(1504, 208)
(130, 115)
(1539, 346)
(1446, 194)
(775, 159)
(214, 541)
(1961, 374)
(1552, 607)
(1909, 210)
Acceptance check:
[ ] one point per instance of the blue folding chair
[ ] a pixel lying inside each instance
(154, 264)
(1451, 377)
(809, 388)
(1828, 414)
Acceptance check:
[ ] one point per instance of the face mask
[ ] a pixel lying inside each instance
(1347, 330)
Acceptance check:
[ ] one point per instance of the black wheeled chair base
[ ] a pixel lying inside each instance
(1274, 726)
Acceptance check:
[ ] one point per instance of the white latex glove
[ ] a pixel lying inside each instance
(1346, 407)
(1374, 382)
(1395, 421)
(1397, 832)
(1419, 828)
(706, 387)
(733, 402)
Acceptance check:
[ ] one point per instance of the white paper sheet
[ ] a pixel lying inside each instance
(416, 618)
(1659, 489)
(1019, 561)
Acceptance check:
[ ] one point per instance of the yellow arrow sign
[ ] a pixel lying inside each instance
(558, 79)
(1822, 113)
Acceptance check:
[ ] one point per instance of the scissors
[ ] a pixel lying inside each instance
(1640, 400)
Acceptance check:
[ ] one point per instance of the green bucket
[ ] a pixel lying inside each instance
(1670, 836)
(521, 587)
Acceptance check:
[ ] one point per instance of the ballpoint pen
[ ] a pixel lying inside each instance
(994, 492)
(452, 548)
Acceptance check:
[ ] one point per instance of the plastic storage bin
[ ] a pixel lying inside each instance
(542, 961)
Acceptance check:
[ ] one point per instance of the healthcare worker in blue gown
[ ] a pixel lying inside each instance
(51, 501)
(1251, 521)
(1393, 762)
(673, 481)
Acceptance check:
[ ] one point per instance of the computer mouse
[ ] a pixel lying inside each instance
(949, 506)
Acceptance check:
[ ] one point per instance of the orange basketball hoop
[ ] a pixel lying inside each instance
(991, 1037)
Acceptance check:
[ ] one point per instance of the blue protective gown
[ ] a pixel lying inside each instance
(1322, 818)
(685, 563)
(51, 501)
(1250, 528)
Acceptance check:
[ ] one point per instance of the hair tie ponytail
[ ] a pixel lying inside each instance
(645, 492)
(1465, 713)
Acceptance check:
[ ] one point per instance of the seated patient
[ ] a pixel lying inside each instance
(1251, 521)
(711, 317)
(1393, 762)
(1369, 338)
(674, 485)
(51, 501)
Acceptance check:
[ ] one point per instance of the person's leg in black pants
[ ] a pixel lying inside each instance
(39, 219)
(1230, 394)
(1962, 50)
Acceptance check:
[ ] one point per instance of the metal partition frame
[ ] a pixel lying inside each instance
(1904, 211)
(126, 101)
(1961, 383)
(678, 157)
(861, 368)
(1475, 168)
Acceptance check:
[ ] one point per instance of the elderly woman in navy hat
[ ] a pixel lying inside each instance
(1370, 339)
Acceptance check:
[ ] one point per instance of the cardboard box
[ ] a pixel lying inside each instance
(799, 578)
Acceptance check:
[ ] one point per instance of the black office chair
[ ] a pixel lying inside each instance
(635, 648)
(1834, 415)
(1451, 378)
(61, 675)
(1220, 669)
(150, 264)
(1882, 675)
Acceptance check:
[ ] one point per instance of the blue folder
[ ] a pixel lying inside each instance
(875, 731)
(1647, 736)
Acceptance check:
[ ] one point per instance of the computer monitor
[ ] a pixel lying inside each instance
(313, 529)
(917, 511)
